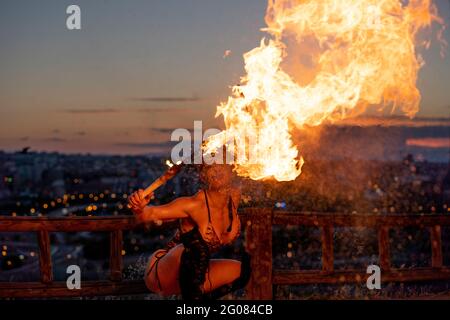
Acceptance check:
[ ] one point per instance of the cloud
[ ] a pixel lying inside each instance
(90, 111)
(147, 145)
(168, 109)
(167, 99)
(163, 130)
(434, 143)
(168, 130)
(54, 139)
(395, 121)
(120, 133)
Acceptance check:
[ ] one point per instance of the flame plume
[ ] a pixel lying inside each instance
(361, 53)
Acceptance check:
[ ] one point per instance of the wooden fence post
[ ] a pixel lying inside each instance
(115, 259)
(436, 247)
(258, 242)
(383, 248)
(45, 257)
(327, 248)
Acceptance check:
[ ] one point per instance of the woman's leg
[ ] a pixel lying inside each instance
(221, 272)
(239, 283)
(161, 275)
(197, 282)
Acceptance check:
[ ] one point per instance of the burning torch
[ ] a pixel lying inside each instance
(171, 172)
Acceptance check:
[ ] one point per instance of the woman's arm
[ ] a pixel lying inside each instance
(179, 208)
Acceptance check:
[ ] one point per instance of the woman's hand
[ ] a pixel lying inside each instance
(138, 202)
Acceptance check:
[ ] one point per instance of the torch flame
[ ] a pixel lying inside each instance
(363, 53)
(169, 163)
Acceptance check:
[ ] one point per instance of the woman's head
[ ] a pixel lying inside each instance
(216, 176)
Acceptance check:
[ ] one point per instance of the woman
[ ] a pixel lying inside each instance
(208, 221)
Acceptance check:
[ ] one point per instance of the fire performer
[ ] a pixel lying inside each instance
(208, 221)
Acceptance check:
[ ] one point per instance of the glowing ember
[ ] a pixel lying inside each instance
(226, 53)
(170, 164)
(359, 53)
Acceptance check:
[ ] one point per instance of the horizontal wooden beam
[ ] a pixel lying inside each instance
(359, 220)
(287, 277)
(59, 289)
(66, 224)
(111, 223)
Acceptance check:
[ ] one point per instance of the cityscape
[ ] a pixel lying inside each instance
(53, 184)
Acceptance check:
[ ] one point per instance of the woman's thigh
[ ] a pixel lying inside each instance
(166, 271)
(221, 272)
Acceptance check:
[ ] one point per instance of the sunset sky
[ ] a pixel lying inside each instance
(137, 70)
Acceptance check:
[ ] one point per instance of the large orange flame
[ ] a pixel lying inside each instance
(359, 52)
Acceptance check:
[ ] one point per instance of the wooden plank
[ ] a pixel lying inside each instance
(115, 258)
(436, 247)
(285, 277)
(59, 289)
(75, 224)
(383, 248)
(327, 248)
(359, 220)
(258, 242)
(45, 257)
(66, 224)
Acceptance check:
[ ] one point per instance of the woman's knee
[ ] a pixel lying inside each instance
(228, 270)
(236, 269)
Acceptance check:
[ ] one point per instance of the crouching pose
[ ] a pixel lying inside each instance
(208, 221)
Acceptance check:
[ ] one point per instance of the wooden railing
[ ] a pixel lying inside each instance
(257, 223)
(264, 277)
(49, 288)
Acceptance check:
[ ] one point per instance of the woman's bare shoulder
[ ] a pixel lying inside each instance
(196, 200)
(188, 204)
(199, 196)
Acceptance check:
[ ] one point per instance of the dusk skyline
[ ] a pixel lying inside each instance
(137, 70)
